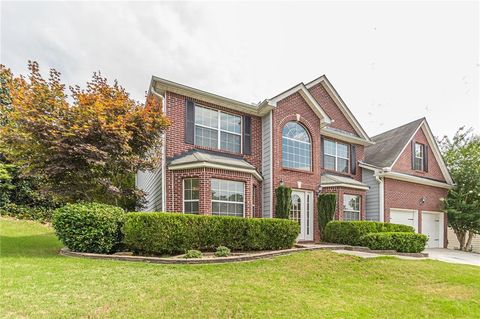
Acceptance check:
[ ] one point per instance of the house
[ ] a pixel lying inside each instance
(226, 157)
(408, 180)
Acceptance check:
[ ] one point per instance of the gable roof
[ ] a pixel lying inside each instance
(391, 144)
(303, 91)
(325, 82)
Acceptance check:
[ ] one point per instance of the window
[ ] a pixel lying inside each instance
(351, 207)
(419, 156)
(216, 129)
(227, 197)
(190, 195)
(296, 147)
(336, 156)
(296, 210)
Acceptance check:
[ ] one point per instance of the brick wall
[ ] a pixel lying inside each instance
(331, 108)
(404, 162)
(340, 191)
(400, 194)
(175, 197)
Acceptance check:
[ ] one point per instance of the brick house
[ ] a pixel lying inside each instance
(226, 157)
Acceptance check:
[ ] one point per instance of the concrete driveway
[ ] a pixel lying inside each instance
(453, 256)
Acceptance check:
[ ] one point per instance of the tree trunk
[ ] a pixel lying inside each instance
(461, 238)
(468, 244)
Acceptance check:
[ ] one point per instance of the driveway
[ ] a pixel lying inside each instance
(453, 256)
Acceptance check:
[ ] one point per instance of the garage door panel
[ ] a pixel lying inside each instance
(404, 217)
(432, 226)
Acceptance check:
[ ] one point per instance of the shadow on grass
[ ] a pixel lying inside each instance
(44, 245)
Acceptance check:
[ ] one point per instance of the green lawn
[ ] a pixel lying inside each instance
(36, 282)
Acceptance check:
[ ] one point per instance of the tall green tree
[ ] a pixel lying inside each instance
(462, 156)
(326, 206)
(85, 144)
(283, 196)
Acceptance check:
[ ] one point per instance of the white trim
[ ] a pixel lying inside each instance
(166, 85)
(326, 131)
(189, 200)
(441, 225)
(340, 103)
(433, 146)
(300, 88)
(271, 165)
(406, 210)
(216, 166)
(416, 179)
(346, 186)
(227, 201)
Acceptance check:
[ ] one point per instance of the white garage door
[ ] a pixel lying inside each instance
(404, 217)
(432, 226)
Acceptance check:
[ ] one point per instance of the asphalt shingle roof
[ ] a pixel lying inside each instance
(389, 145)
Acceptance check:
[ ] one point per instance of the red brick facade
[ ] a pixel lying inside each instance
(406, 195)
(404, 162)
(292, 108)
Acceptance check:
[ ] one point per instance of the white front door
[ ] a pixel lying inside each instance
(404, 217)
(302, 212)
(432, 226)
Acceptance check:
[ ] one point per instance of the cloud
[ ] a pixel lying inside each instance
(388, 61)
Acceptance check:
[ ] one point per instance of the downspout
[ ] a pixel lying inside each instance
(381, 191)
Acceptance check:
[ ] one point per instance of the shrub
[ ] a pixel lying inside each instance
(283, 204)
(192, 253)
(40, 214)
(350, 233)
(326, 206)
(222, 251)
(89, 227)
(169, 233)
(399, 241)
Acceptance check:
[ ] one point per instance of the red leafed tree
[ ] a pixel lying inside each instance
(84, 146)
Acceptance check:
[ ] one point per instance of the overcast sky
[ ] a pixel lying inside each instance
(391, 62)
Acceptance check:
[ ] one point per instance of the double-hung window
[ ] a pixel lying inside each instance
(216, 129)
(191, 195)
(351, 207)
(227, 197)
(419, 157)
(336, 156)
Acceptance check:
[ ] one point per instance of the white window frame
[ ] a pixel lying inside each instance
(190, 200)
(422, 158)
(359, 211)
(336, 156)
(218, 128)
(308, 143)
(227, 201)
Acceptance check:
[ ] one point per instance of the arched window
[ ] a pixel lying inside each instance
(296, 147)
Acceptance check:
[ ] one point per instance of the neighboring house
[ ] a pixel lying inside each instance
(408, 180)
(453, 242)
(225, 157)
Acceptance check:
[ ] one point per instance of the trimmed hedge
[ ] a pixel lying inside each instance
(399, 241)
(350, 233)
(169, 233)
(89, 227)
(40, 214)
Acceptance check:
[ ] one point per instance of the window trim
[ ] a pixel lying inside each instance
(227, 201)
(310, 169)
(190, 200)
(350, 210)
(336, 156)
(422, 158)
(218, 129)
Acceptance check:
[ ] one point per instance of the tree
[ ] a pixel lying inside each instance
(283, 204)
(462, 156)
(326, 206)
(83, 146)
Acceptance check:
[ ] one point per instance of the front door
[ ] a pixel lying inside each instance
(302, 212)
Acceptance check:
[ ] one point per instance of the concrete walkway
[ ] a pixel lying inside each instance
(454, 256)
(446, 255)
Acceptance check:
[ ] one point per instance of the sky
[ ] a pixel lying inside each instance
(391, 62)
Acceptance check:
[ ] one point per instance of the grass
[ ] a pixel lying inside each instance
(38, 283)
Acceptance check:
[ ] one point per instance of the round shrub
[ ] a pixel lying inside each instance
(193, 254)
(222, 251)
(89, 227)
(403, 242)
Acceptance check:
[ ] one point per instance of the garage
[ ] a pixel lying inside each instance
(407, 217)
(432, 226)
